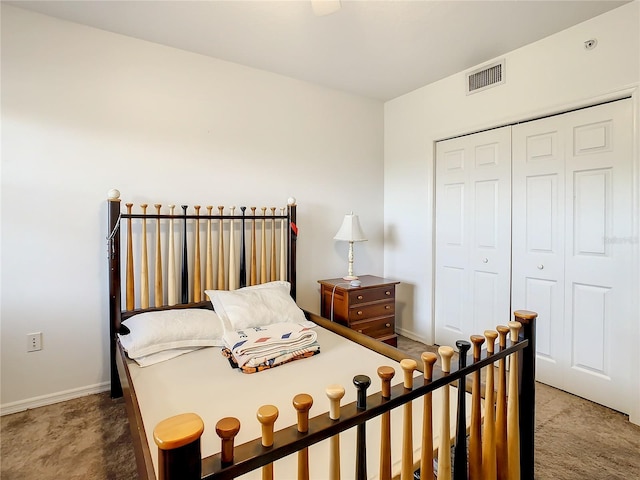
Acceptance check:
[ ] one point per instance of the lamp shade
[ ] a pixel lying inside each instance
(350, 231)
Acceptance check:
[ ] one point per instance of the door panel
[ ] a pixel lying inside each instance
(486, 214)
(592, 211)
(453, 209)
(542, 208)
(538, 238)
(598, 268)
(572, 200)
(590, 318)
(453, 282)
(473, 225)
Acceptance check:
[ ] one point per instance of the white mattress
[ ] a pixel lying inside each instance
(202, 382)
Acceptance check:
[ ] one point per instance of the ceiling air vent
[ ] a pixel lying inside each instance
(485, 77)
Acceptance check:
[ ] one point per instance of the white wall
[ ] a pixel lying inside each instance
(545, 77)
(84, 111)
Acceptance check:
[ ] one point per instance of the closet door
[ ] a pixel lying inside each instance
(539, 238)
(472, 237)
(572, 238)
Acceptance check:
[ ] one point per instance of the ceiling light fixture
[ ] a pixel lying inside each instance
(322, 8)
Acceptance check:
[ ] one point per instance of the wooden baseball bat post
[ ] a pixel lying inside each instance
(406, 473)
(444, 449)
(242, 280)
(513, 414)
(263, 247)
(302, 403)
(460, 452)
(475, 433)
(233, 282)
(272, 265)
(385, 373)
(267, 415)
(335, 394)
(283, 246)
(501, 409)
(426, 460)
(144, 266)
(208, 269)
(362, 382)
(489, 432)
(227, 428)
(221, 282)
(184, 271)
(178, 441)
(527, 403)
(172, 298)
(158, 276)
(197, 275)
(130, 300)
(253, 274)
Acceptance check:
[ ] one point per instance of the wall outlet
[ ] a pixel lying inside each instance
(34, 342)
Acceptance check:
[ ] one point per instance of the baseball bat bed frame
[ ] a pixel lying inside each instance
(501, 431)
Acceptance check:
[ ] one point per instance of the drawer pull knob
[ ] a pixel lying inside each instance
(387, 325)
(387, 307)
(360, 297)
(359, 312)
(359, 331)
(387, 292)
(540, 267)
(485, 260)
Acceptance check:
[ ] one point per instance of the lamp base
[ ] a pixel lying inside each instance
(350, 277)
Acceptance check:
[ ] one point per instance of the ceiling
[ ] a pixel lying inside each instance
(378, 49)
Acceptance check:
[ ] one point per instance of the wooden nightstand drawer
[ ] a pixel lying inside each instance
(361, 312)
(372, 295)
(368, 308)
(379, 327)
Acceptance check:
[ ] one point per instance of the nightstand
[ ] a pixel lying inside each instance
(369, 308)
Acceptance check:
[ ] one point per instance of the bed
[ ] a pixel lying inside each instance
(359, 409)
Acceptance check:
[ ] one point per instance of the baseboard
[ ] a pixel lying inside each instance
(410, 335)
(52, 398)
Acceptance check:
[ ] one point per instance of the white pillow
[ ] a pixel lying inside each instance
(153, 332)
(154, 358)
(256, 306)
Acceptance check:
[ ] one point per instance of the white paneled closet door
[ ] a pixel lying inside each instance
(473, 233)
(572, 247)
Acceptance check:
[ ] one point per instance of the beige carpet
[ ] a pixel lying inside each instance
(85, 438)
(88, 438)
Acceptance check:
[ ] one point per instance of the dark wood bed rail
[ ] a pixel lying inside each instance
(115, 215)
(253, 455)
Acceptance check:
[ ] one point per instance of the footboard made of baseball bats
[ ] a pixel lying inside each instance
(178, 437)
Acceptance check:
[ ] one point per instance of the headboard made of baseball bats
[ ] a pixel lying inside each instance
(174, 254)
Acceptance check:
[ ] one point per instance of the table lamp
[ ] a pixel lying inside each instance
(350, 231)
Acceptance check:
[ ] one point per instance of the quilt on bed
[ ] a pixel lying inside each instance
(256, 349)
